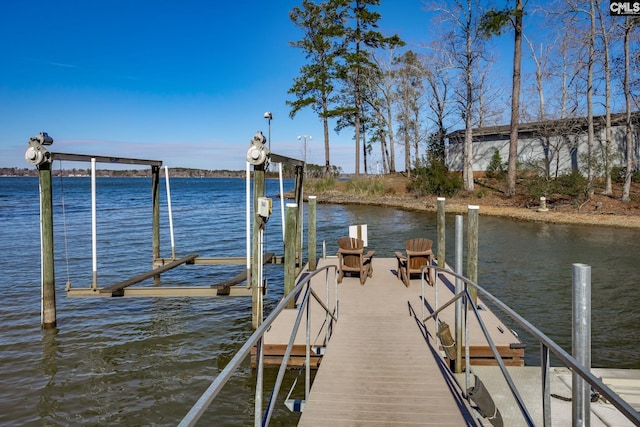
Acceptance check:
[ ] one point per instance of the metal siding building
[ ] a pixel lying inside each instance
(560, 145)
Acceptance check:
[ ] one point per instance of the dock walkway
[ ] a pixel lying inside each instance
(379, 368)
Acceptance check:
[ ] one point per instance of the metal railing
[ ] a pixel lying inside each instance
(256, 339)
(546, 345)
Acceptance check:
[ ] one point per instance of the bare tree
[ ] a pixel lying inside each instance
(629, 27)
(459, 23)
(437, 82)
(386, 86)
(606, 60)
(410, 91)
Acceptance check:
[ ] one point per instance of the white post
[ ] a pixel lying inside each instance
(94, 243)
(173, 245)
(248, 219)
(281, 198)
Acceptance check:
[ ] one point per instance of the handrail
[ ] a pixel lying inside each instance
(546, 344)
(198, 409)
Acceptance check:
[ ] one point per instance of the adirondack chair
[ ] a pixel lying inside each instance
(353, 260)
(418, 254)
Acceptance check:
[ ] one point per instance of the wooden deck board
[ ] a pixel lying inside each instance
(378, 368)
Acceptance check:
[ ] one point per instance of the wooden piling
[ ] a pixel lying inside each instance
(299, 219)
(472, 249)
(312, 233)
(290, 246)
(48, 306)
(256, 286)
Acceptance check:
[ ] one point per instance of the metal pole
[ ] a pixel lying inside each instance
(257, 410)
(173, 243)
(459, 255)
(441, 233)
(546, 385)
(581, 343)
(472, 250)
(48, 279)
(312, 233)
(94, 243)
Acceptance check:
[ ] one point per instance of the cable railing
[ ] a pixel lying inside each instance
(547, 345)
(257, 340)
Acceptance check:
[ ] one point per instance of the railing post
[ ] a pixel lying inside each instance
(459, 254)
(546, 385)
(441, 234)
(472, 250)
(257, 410)
(581, 343)
(312, 233)
(290, 246)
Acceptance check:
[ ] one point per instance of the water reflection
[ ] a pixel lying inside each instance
(49, 367)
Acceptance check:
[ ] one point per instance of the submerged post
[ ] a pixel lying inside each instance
(39, 156)
(312, 233)
(472, 250)
(290, 247)
(581, 343)
(155, 201)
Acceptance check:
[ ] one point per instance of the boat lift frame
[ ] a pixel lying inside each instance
(38, 155)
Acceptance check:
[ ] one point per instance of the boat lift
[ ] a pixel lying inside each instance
(258, 156)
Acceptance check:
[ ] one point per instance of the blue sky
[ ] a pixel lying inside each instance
(183, 82)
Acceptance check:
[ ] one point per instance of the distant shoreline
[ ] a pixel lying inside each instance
(460, 207)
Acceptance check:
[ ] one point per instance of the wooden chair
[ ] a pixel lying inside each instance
(353, 260)
(418, 254)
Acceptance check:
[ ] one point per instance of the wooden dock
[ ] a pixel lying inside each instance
(381, 367)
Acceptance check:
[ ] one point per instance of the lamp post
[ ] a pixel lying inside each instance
(269, 117)
(305, 137)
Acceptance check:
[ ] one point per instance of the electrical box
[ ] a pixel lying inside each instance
(264, 207)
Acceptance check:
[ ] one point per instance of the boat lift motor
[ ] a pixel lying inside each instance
(36, 154)
(258, 153)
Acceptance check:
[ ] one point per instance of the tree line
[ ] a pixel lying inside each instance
(581, 62)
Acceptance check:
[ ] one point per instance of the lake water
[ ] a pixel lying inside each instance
(145, 361)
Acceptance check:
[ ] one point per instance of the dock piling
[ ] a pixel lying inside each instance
(290, 246)
(48, 306)
(458, 306)
(312, 233)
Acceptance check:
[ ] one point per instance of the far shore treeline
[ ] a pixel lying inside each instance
(142, 173)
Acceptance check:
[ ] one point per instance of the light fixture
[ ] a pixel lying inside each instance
(267, 115)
